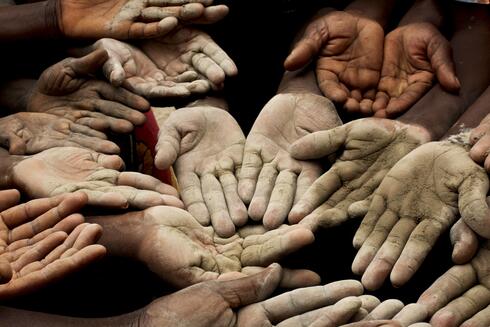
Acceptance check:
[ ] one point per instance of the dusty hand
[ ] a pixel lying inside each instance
(205, 145)
(35, 248)
(480, 139)
(420, 197)
(367, 149)
(65, 170)
(348, 50)
(414, 55)
(132, 19)
(270, 179)
(29, 133)
(65, 89)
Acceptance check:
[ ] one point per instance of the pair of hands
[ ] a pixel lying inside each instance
(357, 66)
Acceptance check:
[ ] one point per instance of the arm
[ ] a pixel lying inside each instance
(375, 10)
(14, 95)
(474, 115)
(424, 11)
(7, 162)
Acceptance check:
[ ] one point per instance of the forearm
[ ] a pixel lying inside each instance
(14, 95)
(7, 162)
(424, 11)
(378, 10)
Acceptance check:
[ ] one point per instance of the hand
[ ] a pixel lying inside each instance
(35, 248)
(464, 241)
(131, 19)
(29, 133)
(178, 249)
(205, 145)
(480, 139)
(236, 303)
(461, 297)
(367, 149)
(270, 179)
(416, 202)
(413, 55)
(350, 54)
(65, 90)
(65, 170)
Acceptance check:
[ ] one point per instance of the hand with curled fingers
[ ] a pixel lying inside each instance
(480, 140)
(270, 179)
(348, 51)
(172, 244)
(67, 90)
(42, 241)
(414, 55)
(420, 197)
(31, 132)
(205, 147)
(367, 149)
(65, 170)
(130, 19)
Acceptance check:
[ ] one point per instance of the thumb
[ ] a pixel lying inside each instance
(114, 71)
(168, 146)
(319, 144)
(472, 203)
(440, 55)
(89, 64)
(17, 146)
(464, 241)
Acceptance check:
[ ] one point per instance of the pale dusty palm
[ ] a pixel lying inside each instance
(205, 146)
(270, 179)
(348, 50)
(417, 201)
(366, 150)
(65, 170)
(29, 132)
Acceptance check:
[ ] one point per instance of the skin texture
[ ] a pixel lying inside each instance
(131, 19)
(66, 90)
(205, 147)
(66, 170)
(480, 141)
(29, 133)
(348, 49)
(464, 241)
(42, 241)
(367, 149)
(414, 55)
(417, 201)
(270, 179)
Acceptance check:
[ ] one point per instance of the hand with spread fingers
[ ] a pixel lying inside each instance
(420, 197)
(414, 54)
(66, 90)
(348, 50)
(129, 19)
(205, 147)
(42, 241)
(270, 179)
(30, 133)
(367, 149)
(65, 170)
(480, 140)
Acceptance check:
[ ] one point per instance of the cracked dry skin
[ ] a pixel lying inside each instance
(420, 197)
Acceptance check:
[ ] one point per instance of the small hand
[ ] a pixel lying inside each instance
(417, 201)
(270, 179)
(348, 49)
(480, 139)
(65, 89)
(42, 241)
(414, 55)
(29, 133)
(65, 170)
(205, 145)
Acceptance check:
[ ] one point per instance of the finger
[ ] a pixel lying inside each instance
(331, 87)
(213, 51)
(381, 102)
(263, 191)
(114, 71)
(386, 310)
(185, 12)
(165, 3)
(89, 64)
(87, 131)
(8, 199)
(410, 96)
(146, 182)
(352, 106)
(92, 143)
(375, 211)
(17, 146)
(154, 89)
(123, 118)
(307, 177)
(208, 68)
(464, 241)
(291, 278)
(374, 323)
(216, 204)
(106, 199)
(236, 207)
(369, 302)
(249, 173)
(480, 151)
(190, 188)
(281, 199)
(141, 199)
(481, 319)
(439, 53)
(359, 209)
(211, 15)
(307, 48)
(123, 103)
(411, 314)
(319, 144)
(168, 146)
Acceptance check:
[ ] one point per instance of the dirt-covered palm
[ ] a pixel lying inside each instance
(131, 19)
(366, 150)
(480, 140)
(205, 147)
(461, 297)
(65, 170)
(66, 89)
(420, 197)
(270, 180)
(42, 241)
(30, 132)
(414, 55)
(348, 49)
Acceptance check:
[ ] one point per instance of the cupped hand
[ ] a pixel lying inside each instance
(414, 55)
(480, 140)
(348, 50)
(65, 170)
(367, 149)
(270, 179)
(66, 89)
(132, 19)
(29, 133)
(42, 241)
(420, 197)
(205, 146)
